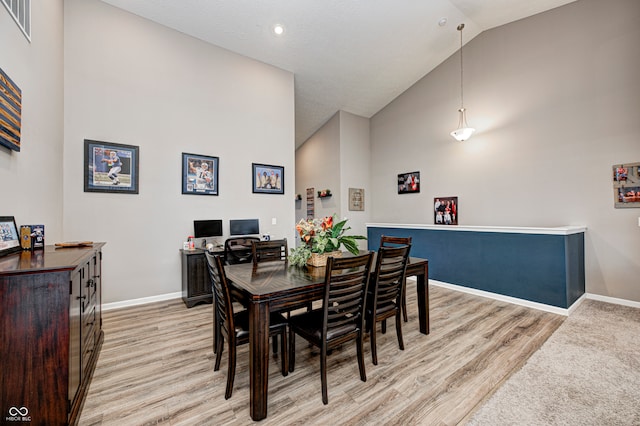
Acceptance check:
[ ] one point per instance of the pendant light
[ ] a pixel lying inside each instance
(463, 132)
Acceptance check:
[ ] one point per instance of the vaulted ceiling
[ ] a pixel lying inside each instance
(350, 55)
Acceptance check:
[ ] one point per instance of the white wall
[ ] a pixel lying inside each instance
(354, 170)
(336, 157)
(31, 180)
(318, 167)
(555, 99)
(128, 80)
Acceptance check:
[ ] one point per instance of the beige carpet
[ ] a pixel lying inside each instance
(586, 373)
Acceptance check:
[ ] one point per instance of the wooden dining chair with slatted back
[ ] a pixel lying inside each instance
(234, 326)
(385, 293)
(269, 251)
(391, 241)
(340, 319)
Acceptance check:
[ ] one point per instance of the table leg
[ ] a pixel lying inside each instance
(422, 288)
(259, 359)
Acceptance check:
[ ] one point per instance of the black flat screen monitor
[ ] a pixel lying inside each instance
(207, 228)
(244, 227)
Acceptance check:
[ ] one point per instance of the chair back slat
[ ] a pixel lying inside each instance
(389, 274)
(269, 251)
(390, 241)
(346, 283)
(222, 295)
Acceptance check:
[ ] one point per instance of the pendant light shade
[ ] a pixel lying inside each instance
(463, 132)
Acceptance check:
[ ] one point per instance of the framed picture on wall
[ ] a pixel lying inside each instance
(199, 174)
(10, 112)
(110, 167)
(267, 179)
(356, 199)
(409, 183)
(445, 211)
(626, 185)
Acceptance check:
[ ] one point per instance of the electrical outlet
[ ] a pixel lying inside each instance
(274, 221)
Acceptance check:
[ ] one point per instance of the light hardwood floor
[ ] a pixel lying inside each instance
(156, 367)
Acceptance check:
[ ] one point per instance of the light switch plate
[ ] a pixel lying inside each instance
(274, 221)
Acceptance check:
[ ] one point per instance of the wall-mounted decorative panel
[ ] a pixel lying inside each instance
(10, 112)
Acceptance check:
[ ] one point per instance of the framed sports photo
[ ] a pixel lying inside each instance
(267, 179)
(199, 174)
(110, 167)
(626, 185)
(409, 183)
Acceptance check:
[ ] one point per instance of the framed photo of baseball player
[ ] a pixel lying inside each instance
(199, 174)
(110, 167)
(267, 179)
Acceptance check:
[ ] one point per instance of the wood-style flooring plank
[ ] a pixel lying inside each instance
(156, 367)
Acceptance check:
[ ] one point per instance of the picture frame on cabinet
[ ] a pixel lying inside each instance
(9, 237)
(267, 179)
(200, 174)
(626, 185)
(111, 167)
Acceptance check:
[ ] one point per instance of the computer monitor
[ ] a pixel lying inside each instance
(207, 229)
(244, 227)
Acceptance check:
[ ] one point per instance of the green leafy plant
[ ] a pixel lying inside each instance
(322, 236)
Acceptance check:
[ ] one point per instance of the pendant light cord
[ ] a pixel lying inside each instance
(460, 28)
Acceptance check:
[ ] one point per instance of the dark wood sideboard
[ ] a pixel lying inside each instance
(50, 333)
(196, 284)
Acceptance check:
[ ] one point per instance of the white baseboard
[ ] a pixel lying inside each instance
(614, 300)
(535, 305)
(141, 301)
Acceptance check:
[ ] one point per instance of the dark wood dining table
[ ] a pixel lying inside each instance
(274, 286)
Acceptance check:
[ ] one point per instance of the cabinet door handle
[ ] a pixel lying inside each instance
(81, 297)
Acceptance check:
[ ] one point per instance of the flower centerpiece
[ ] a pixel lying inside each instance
(321, 238)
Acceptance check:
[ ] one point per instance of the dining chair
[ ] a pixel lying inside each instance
(340, 319)
(385, 293)
(238, 249)
(269, 251)
(234, 326)
(390, 241)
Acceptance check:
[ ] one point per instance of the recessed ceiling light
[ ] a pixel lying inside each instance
(278, 29)
(442, 22)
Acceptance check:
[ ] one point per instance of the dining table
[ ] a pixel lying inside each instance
(277, 286)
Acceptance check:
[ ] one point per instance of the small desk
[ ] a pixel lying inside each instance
(273, 287)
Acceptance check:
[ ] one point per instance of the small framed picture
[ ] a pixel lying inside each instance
(356, 199)
(199, 174)
(445, 211)
(626, 185)
(267, 179)
(409, 183)
(110, 167)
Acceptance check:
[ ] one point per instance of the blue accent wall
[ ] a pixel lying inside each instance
(541, 268)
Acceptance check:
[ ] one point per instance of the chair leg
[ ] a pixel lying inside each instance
(360, 344)
(372, 337)
(323, 374)
(404, 300)
(399, 331)
(218, 351)
(283, 353)
(231, 371)
(275, 345)
(384, 326)
(292, 350)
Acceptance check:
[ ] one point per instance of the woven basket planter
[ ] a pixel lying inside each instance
(320, 259)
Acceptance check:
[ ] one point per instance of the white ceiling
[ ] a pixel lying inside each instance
(350, 55)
